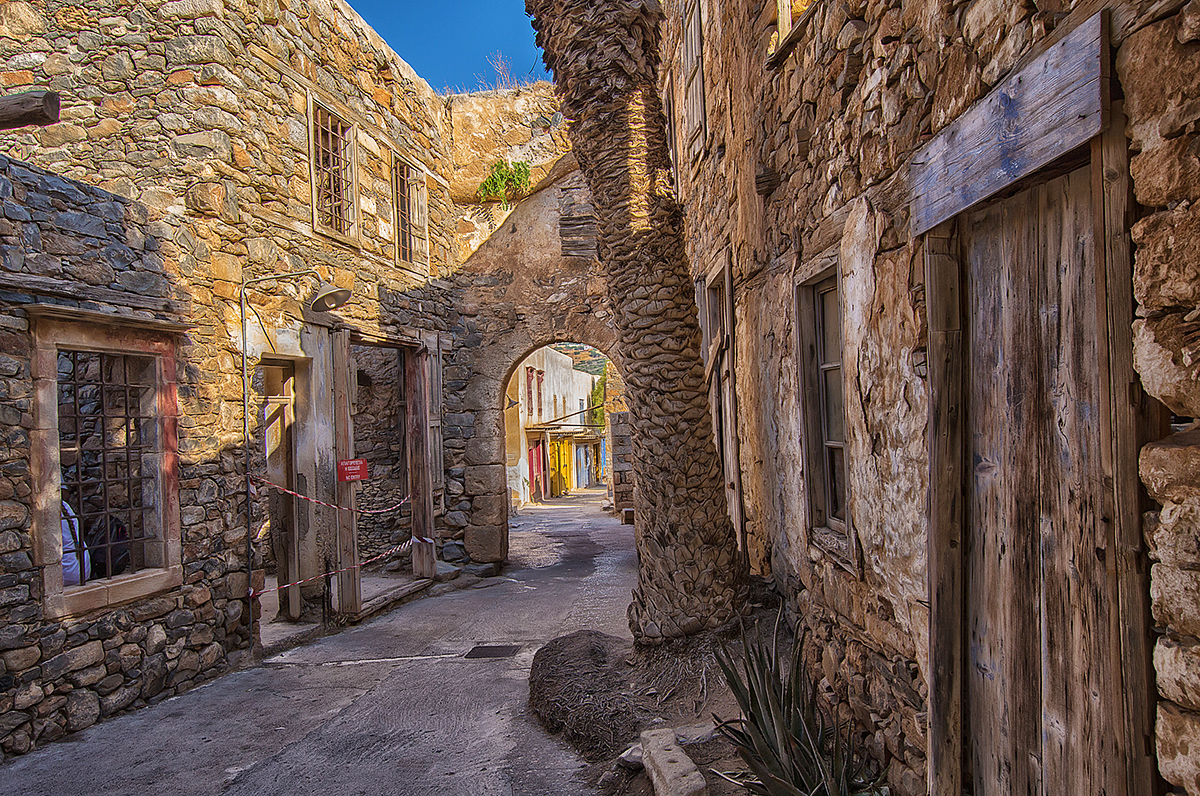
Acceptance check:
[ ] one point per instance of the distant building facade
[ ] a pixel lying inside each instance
(551, 444)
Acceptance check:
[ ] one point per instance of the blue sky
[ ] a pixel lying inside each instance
(448, 42)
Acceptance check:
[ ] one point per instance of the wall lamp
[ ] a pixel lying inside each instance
(327, 298)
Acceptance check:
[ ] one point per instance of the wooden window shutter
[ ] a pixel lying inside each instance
(437, 471)
(693, 60)
(420, 199)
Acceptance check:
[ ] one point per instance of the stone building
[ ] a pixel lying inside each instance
(211, 150)
(947, 252)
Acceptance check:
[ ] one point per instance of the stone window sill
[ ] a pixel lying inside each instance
(79, 600)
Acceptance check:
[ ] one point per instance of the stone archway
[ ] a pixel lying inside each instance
(534, 282)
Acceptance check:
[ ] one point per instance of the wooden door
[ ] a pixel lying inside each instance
(278, 439)
(1042, 670)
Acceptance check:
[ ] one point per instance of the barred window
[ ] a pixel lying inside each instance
(333, 172)
(110, 454)
(412, 215)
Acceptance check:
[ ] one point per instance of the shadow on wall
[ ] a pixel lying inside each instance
(114, 459)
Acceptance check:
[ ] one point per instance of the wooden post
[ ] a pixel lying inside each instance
(350, 581)
(28, 109)
(420, 481)
(1135, 421)
(946, 503)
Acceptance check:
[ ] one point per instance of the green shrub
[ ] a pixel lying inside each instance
(791, 742)
(504, 183)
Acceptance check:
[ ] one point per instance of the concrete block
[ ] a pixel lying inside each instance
(671, 771)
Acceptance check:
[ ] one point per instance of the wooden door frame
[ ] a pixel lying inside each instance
(1130, 419)
(289, 595)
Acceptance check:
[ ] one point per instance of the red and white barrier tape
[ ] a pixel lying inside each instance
(255, 594)
(323, 503)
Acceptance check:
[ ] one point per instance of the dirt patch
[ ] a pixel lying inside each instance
(579, 686)
(601, 692)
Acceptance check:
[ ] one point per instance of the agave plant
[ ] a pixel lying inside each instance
(793, 745)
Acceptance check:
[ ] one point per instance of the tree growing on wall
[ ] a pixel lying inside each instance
(604, 56)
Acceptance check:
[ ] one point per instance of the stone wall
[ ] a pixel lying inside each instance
(513, 125)
(803, 167)
(81, 248)
(378, 414)
(532, 283)
(1159, 68)
(191, 118)
(620, 449)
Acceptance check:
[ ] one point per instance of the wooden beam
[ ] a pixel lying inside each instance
(45, 285)
(1052, 106)
(947, 499)
(30, 109)
(350, 580)
(420, 480)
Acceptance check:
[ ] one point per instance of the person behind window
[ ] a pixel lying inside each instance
(76, 564)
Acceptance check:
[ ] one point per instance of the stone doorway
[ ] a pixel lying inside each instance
(535, 282)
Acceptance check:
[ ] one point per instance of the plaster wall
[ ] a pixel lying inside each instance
(802, 171)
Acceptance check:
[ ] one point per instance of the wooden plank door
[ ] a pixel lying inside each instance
(349, 579)
(1041, 680)
(279, 418)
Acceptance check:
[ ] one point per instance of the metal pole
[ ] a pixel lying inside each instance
(246, 437)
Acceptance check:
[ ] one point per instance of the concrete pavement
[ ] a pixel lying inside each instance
(389, 707)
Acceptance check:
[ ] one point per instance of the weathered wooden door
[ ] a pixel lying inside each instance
(279, 415)
(1042, 671)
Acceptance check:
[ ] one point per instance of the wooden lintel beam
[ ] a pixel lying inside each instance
(29, 109)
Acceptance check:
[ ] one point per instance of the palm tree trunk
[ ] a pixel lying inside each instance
(604, 55)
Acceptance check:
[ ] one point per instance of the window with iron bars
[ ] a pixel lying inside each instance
(333, 172)
(109, 450)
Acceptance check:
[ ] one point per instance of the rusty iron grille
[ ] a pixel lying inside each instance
(334, 171)
(108, 430)
(404, 211)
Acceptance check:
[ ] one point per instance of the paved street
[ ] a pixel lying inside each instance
(390, 707)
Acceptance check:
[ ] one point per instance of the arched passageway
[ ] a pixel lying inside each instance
(536, 281)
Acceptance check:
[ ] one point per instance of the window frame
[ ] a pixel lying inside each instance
(695, 112)
(415, 257)
(353, 235)
(50, 335)
(788, 30)
(833, 536)
(672, 133)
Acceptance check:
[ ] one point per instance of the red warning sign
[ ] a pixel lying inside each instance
(352, 470)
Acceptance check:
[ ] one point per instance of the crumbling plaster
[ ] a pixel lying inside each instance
(835, 123)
